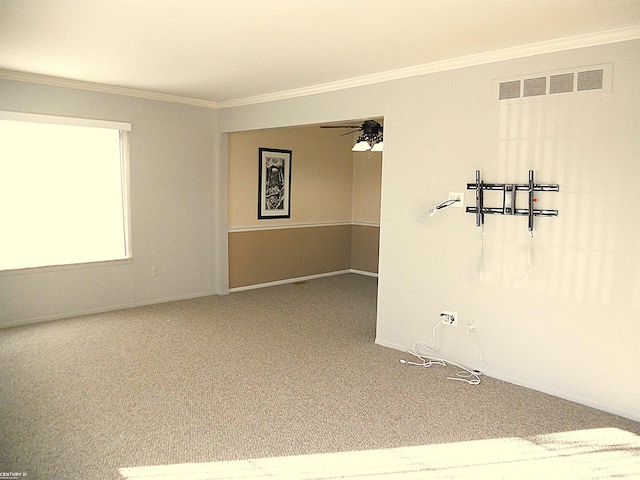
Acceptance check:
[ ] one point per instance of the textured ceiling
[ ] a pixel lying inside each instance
(226, 50)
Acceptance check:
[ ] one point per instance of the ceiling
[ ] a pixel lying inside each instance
(224, 52)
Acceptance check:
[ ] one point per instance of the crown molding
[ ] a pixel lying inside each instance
(102, 88)
(550, 46)
(568, 43)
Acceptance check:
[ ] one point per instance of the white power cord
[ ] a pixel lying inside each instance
(444, 204)
(435, 339)
(481, 278)
(472, 377)
(529, 258)
(471, 328)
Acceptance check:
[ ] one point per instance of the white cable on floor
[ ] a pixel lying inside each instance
(472, 377)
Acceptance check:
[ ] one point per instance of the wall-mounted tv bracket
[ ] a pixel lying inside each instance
(509, 199)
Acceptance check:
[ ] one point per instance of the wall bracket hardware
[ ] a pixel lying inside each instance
(509, 199)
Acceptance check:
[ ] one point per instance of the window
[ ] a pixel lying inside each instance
(63, 191)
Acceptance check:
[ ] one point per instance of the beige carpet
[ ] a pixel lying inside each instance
(223, 387)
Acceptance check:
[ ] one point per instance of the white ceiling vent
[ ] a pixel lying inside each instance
(544, 85)
(562, 83)
(535, 86)
(509, 90)
(591, 80)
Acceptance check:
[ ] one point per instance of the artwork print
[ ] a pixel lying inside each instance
(274, 183)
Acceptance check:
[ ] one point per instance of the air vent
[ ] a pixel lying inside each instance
(561, 83)
(535, 86)
(590, 80)
(581, 79)
(510, 90)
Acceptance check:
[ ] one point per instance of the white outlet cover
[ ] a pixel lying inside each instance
(455, 318)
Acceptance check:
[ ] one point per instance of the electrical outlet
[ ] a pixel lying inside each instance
(457, 196)
(449, 318)
(154, 271)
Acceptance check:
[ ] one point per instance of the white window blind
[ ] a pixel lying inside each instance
(63, 191)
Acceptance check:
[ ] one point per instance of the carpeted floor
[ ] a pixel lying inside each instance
(277, 372)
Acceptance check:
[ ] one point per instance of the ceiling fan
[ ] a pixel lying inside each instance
(370, 139)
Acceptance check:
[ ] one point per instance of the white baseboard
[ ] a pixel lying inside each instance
(300, 279)
(633, 415)
(91, 311)
(112, 308)
(362, 272)
(395, 346)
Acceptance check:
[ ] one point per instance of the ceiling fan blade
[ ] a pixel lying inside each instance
(340, 126)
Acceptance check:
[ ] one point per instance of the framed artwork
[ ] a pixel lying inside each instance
(274, 183)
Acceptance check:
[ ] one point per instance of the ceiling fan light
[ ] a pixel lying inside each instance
(361, 146)
(377, 147)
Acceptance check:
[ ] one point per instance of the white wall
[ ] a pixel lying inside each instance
(172, 203)
(567, 324)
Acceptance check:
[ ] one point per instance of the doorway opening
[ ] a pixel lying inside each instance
(334, 219)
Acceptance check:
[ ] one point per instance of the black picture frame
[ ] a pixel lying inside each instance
(274, 183)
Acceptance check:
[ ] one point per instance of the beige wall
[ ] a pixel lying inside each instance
(264, 256)
(365, 248)
(331, 189)
(367, 175)
(321, 176)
